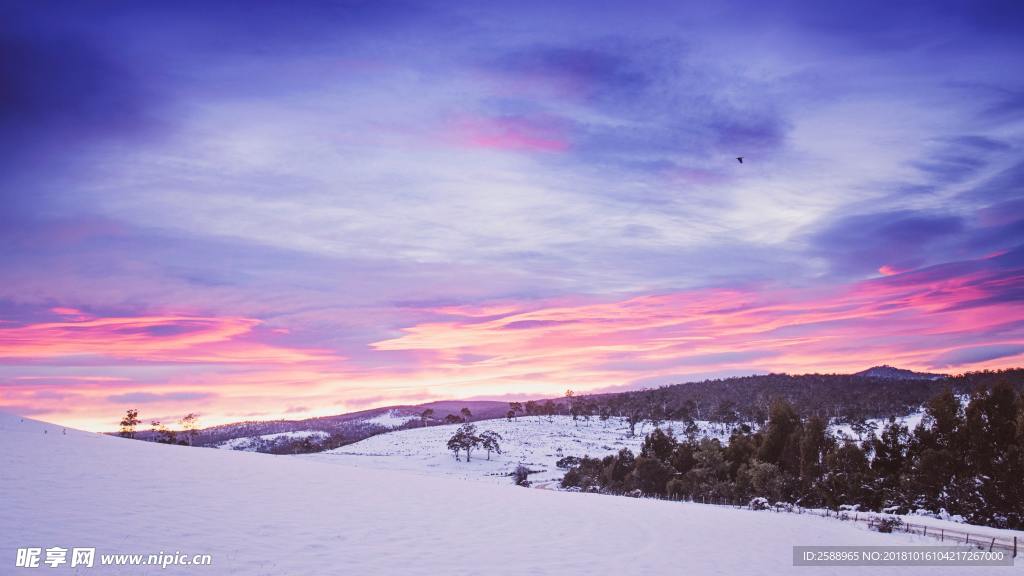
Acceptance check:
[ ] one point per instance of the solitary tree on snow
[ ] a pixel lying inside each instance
(129, 422)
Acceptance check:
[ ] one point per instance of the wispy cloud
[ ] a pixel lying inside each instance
(361, 203)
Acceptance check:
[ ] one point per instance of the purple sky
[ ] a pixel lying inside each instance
(251, 209)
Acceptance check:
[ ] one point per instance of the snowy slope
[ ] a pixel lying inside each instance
(258, 514)
(249, 443)
(391, 419)
(534, 441)
(911, 421)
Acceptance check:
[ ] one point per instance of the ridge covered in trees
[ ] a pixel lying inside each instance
(965, 460)
(841, 398)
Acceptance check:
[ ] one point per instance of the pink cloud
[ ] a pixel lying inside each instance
(164, 338)
(925, 320)
(509, 133)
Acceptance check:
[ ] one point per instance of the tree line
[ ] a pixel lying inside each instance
(159, 432)
(967, 460)
(846, 398)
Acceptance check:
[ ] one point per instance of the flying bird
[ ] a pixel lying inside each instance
(739, 159)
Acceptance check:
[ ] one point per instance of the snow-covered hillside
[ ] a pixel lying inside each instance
(392, 419)
(534, 441)
(911, 421)
(537, 442)
(363, 425)
(263, 515)
(249, 443)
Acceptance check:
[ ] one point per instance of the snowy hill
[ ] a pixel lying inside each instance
(251, 435)
(893, 373)
(375, 422)
(250, 443)
(535, 441)
(258, 514)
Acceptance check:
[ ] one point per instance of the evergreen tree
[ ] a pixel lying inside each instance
(813, 447)
(782, 422)
(890, 461)
(658, 445)
(650, 475)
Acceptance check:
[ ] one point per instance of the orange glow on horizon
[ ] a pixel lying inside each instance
(168, 365)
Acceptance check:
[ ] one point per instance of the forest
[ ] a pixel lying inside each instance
(966, 458)
(839, 398)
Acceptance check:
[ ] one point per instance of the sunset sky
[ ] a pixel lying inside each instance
(257, 210)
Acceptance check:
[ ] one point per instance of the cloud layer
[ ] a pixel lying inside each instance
(242, 210)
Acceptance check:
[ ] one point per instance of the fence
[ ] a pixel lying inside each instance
(943, 534)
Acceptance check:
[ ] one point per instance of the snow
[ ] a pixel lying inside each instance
(911, 421)
(534, 441)
(946, 524)
(262, 515)
(391, 419)
(249, 442)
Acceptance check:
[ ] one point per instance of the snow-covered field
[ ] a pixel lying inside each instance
(534, 441)
(537, 442)
(258, 514)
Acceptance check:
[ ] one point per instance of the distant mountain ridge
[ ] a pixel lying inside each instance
(892, 373)
(844, 396)
(352, 426)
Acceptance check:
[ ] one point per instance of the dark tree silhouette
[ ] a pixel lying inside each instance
(129, 422)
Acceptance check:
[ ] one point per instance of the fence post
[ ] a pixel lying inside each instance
(1014, 546)
(991, 544)
(942, 534)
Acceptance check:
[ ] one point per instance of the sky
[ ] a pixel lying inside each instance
(257, 210)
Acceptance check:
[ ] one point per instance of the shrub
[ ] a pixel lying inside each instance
(568, 462)
(886, 524)
(759, 503)
(520, 476)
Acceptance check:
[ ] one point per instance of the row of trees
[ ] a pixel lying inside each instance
(159, 432)
(849, 398)
(466, 439)
(464, 415)
(965, 460)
